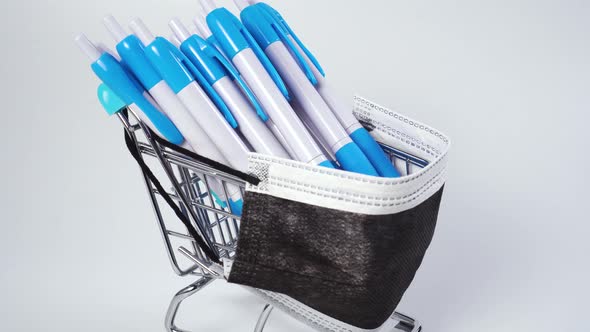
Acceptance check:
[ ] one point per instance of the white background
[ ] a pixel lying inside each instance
(507, 80)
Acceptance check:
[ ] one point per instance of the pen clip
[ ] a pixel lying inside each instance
(294, 51)
(290, 31)
(272, 71)
(232, 70)
(111, 103)
(183, 60)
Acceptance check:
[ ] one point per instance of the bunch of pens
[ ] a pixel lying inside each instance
(230, 87)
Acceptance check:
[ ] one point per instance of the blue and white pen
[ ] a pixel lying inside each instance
(239, 46)
(204, 31)
(221, 74)
(174, 40)
(113, 74)
(132, 53)
(315, 133)
(353, 127)
(175, 68)
(277, 46)
(201, 24)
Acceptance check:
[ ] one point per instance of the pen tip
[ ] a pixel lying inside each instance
(202, 27)
(116, 30)
(141, 30)
(88, 47)
(208, 5)
(242, 4)
(179, 29)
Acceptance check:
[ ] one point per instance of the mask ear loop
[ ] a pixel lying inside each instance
(209, 252)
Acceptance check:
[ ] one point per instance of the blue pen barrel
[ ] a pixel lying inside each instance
(375, 153)
(351, 158)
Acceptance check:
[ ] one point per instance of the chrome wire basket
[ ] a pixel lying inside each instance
(188, 181)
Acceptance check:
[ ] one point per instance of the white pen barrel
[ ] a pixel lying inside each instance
(315, 132)
(308, 97)
(216, 126)
(250, 124)
(305, 149)
(145, 119)
(174, 40)
(196, 140)
(241, 4)
(115, 28)
(200, 142)
(277, 133)
(208, 5)
(180, 31)
(88, 48)
(342, 111)
(202, 27)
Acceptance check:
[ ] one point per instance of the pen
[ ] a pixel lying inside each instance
(315, 133)
(174, 40)
(203, 30)
(217, 70)
(132, 53)
(357, 132)
(112, 104)
(201, 24)
(112, 73)
(174, 67)
(289, 62)
(257, 70)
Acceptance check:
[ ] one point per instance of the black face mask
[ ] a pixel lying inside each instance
(347, 246)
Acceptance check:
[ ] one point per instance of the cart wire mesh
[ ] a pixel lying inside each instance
(189, 186)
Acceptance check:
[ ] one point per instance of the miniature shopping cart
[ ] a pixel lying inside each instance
(187, 180)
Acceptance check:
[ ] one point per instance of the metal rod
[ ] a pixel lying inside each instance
(203, 266)
(177, 300)
(263, 318)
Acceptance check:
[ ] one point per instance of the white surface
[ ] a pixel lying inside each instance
(79, 245)
(278, 109)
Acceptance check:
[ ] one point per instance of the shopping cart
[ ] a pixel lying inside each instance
(188, 180)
